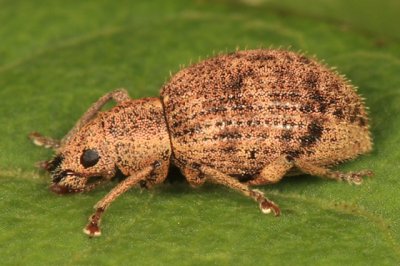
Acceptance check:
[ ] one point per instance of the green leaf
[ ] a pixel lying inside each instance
(56, 58)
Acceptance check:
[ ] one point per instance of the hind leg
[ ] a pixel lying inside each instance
(351, 177)
(276, 170)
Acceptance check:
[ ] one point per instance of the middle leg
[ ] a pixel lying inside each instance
(218, 177)
(118, 96)
(273, 172)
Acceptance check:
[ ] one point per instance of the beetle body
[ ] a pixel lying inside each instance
(239, 112)
(242, 119)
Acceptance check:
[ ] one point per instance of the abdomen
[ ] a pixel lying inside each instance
(238, 112)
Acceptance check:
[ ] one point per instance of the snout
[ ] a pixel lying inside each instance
(66, 182)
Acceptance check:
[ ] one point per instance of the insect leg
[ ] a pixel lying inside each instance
(351, 177)
(118, 96)
(273, 172)
(92, 228)
(218, 177)
(46, 142)
(193, 176)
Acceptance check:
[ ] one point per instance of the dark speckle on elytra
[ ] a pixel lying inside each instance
(322, 107)
(314, 133)
(315, 129)
(320, 100)
(253, 154)
(287, 135)
(229, 149)
(306, 108)
(307, 140)
(237, 84)
(362, 122)
(316, 96)
(338, 113)
(311, 80)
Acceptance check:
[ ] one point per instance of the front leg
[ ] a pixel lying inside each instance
(92, 228)
(118, 96)
(46, 142)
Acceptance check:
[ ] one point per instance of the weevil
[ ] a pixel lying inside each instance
(240, 120)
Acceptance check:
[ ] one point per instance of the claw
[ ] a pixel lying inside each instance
(92, 229)
(266, 206)
(357, 177)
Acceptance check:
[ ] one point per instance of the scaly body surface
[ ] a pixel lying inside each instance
(241, 119)
(241, 111)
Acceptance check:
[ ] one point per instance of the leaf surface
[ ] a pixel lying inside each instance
(56, 58)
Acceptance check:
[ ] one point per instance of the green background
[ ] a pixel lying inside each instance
(56, 58)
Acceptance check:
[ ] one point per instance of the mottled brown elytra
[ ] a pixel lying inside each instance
(242, 119)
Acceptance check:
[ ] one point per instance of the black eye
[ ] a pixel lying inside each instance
(89, 158)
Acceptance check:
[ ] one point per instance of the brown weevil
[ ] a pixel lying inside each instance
(242, 119)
